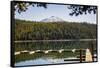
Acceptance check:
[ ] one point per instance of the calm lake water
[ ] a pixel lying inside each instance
(70, 52)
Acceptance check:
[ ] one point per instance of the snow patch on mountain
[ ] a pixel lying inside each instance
(52, 19)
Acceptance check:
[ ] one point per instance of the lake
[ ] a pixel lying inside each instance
(52, 52)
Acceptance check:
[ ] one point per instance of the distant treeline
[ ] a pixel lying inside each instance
(29, 30)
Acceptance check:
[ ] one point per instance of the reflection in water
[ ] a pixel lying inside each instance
(53, 56)
(40, 61)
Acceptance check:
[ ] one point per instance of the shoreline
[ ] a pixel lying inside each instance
(55, 40)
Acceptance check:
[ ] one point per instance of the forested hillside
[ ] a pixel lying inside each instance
(28, 30)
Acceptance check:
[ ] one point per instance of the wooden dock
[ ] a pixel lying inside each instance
(88, 57)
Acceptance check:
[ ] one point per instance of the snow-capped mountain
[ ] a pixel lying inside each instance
(52, 19)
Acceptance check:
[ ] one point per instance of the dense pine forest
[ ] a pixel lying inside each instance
(31, 30)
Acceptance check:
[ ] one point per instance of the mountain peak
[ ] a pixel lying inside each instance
(52, 19)
(52, 16)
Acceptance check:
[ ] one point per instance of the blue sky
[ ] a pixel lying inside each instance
(61, 11)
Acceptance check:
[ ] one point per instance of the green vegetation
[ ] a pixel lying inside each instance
(76, 9)
(29, 30)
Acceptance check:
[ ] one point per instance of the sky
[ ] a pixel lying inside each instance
(61, 11)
